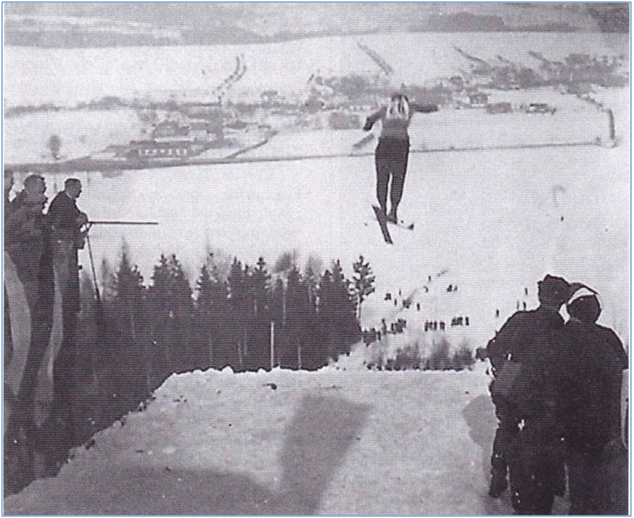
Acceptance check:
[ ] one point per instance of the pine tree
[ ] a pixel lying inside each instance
(326, 314)
(260, 317)
(54, 145)
(276, 301)
(108, 290)
(237, 286)
(345, 325)
(129, 295)
(238, 300)
(212, 291)
(171, 307)
(183, 303)
(130, 361)
(212, 311)
(260, 286)
(363, 281)
(285, 262)
(297, 316)
(311, 278)
(313, 352)
(277, 310)
(159, 291)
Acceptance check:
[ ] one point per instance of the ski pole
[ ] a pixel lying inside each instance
(94, 273)
(120, 222)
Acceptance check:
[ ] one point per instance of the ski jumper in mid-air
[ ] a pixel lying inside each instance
(392, 150)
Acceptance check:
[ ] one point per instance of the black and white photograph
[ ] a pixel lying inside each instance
(316, 258)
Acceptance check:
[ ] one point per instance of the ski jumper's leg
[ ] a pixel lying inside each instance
(398, 181)
(382, 178)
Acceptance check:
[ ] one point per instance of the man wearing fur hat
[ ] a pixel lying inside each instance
(526, 439)
(590, 389)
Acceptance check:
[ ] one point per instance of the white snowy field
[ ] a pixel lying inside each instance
(339, 441)
(36, 76)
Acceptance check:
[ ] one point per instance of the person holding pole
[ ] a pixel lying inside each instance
(66, 221)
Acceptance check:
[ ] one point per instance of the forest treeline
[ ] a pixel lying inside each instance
(136, 334)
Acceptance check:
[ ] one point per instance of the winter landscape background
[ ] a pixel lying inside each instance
(343, 440)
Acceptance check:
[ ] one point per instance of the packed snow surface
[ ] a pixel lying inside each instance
(339, 441)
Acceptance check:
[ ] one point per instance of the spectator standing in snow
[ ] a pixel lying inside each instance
(529, 453)
(392, 151)
(34, 185)
(66, 221)
(590, 391)
(29, 324)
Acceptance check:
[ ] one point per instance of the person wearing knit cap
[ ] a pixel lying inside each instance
(523, 342)
(590, 391)
(392, 151)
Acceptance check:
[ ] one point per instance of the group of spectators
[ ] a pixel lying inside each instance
(557, 393)
(41, 287)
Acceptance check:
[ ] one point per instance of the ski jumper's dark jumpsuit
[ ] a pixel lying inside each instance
(392, 153)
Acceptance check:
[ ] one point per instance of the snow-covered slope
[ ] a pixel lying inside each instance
(340, 441)
(36, 76)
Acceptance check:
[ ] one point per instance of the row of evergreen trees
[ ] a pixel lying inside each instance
(135, 335)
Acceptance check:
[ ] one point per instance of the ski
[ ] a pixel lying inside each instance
(382, 219)
(402, 224)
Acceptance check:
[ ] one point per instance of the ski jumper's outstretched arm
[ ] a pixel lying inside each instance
(369, 122)
(423, 108)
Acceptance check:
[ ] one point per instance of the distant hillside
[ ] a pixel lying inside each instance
(169, 23)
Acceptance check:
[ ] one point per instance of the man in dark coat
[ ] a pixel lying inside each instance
(523, 340)
(33, 184)
(590, 389)
(66, 221)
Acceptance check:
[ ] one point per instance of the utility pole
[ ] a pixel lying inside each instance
(272, 360)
